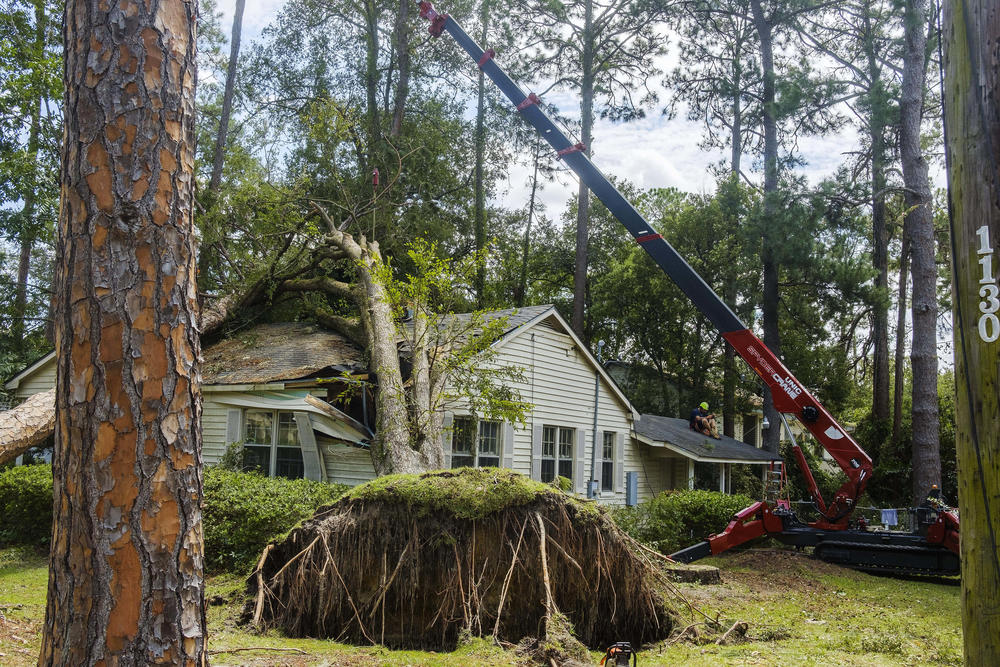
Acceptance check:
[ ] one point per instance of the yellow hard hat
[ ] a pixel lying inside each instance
(704, 405)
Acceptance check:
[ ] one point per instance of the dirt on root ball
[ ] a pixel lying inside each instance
(411, 561)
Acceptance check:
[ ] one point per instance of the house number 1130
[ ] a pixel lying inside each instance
(989, 323)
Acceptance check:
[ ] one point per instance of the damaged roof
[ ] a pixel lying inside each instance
(280, 351)
(675, 434)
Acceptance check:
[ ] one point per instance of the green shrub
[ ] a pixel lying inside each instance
(243, 511)
(26, 505)
(676, 519)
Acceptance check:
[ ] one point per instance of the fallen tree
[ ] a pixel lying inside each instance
(415, 560)
(27, 425)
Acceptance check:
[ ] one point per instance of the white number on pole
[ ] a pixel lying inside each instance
(989, 323)
(989, 327)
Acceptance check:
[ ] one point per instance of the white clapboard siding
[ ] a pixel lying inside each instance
(559, 383)
(40, 379)
(213, 430)
(345, 464)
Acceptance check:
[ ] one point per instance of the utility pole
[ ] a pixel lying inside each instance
(971, 37)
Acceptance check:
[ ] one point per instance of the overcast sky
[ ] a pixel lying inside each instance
(652, 152)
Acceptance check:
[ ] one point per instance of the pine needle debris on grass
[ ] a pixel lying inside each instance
(413, 561)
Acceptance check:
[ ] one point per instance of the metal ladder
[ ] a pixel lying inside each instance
(774, 482)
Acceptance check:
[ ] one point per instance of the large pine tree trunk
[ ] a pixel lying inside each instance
(125, 579)
(769, 305)
(227, 98)
(521, 290)
(583, 194)
(880, 260)
(730, 293)
(920, 226)
(899, 367)
(402, 48)
(479, 186)
(971, 34)
(28, 231)
(371, 12)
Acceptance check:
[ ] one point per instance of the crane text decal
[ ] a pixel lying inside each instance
(989, 324)
(787, 384)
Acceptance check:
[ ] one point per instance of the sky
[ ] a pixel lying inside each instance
(652, 152)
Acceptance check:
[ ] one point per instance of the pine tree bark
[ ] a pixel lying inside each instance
(28, 230)
(899, 366)
(227, 98)
(730, 292)
(522, 280)
(587, 75)
(769, 305)
(920, 227)
(402, 48)
(125, 579)
(880, 260)
(971, 35)
(371, 83)
(479, 203)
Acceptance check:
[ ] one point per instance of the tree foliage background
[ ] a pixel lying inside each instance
(334, 90)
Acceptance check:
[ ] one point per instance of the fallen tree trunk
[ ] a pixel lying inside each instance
(28, 424)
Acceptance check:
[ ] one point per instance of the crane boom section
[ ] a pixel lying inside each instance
(790, 396)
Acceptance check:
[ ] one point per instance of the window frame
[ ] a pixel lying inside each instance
(556, 456)
(609, 442)
(275, 430)
(475, 450)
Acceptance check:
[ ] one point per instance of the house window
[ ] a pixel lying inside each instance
(475, 443)
(271, 444)
(750, 430)
(608, 462)
(557, 452)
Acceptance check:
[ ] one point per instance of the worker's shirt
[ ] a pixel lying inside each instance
(694, 417)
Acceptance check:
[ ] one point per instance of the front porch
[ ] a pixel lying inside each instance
(682, 451)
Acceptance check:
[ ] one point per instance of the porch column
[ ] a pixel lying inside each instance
(722, 477)
(690, 473)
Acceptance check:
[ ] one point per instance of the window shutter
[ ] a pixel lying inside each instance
(311, 462)
(536, 452)
(508, 446)
(234, 426)
(446, 424)
(580, 449)
(599, 468)
(620, 463)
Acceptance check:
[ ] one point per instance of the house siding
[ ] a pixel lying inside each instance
(41, 379)
(345, 464)
(559, 384)
(213, 430)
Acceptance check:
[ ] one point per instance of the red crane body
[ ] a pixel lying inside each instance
(933, 548)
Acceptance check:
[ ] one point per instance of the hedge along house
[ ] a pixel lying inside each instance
(300, 401)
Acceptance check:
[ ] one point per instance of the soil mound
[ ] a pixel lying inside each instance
(414, 561)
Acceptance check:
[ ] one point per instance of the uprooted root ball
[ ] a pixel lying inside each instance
(410, 561)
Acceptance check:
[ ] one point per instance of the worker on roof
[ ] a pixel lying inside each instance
(704, 422)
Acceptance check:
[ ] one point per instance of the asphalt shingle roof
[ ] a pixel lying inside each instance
(280, 351)
(677, 433)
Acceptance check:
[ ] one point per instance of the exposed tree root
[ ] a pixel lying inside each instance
(552, 570)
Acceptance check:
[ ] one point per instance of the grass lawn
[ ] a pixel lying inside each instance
(799, 611)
